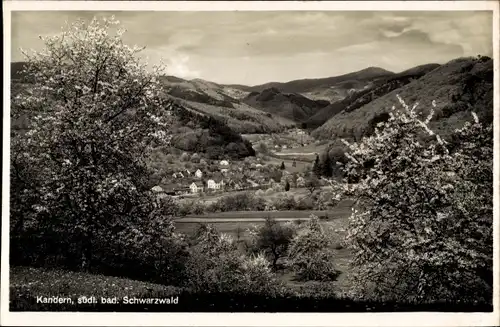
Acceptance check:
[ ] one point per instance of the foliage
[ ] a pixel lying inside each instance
(262, 148)
(310, 255)
(423, 226)
(312, 183)
(80, 184)
(272, 239)
(216, 265)
(287, 186)
(238, 202)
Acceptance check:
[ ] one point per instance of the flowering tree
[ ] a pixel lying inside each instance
(79, 176)
(310, 254)
(422, 230)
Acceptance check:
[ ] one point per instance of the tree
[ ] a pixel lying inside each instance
(169, 158)
(310, 255)
(282, 167)
(317, 166)
(272, 239)
(80, 182)
(312, 183)
(294, 163)
(422, 229)
(287, 186)
(326, 167)
(184, 157)
(262, 148)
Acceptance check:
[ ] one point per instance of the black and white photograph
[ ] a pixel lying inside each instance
(211, 158)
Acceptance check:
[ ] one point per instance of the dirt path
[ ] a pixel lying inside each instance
(232, 220)
(295, 153)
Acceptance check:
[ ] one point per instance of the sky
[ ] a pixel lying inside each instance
(255, 47)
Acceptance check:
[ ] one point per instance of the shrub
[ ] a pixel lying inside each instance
(239, 202)
(216, 265)
(310, 255)
(169, 158)
(422, 229)
(312, 183)
(285, 202)
(305, 203)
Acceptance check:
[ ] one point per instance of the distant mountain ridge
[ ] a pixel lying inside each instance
(361, 97)
(308, 84)
(457, 88)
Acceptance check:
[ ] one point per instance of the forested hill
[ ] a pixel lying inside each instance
(361, 97)
(200, 133)
(457, 88)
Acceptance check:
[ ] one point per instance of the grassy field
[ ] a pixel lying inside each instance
(301, 166)
(298, 193)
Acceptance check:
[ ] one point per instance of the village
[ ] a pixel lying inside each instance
(281, 159)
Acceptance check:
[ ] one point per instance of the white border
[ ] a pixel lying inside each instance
(242, 319)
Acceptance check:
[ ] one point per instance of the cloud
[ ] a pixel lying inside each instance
(179, 66)
(254, 47)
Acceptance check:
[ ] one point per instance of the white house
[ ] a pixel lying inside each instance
(196, 187)
(198, 173)
(224, 163)
(211, 184)
(157, 189)
(174, 175)
(224, 170)
(181, 175)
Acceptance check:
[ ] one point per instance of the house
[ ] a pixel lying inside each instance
(283, 146)
(174, 175)
(157, 189)
(224, 163)
(181, 175)
(213, 185)
(196, 187)
(188, 172)
(198, 174)
(224, 170)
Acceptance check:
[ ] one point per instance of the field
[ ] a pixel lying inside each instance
(301, 166)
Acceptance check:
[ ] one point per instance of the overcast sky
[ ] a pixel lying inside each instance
(257, 47)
